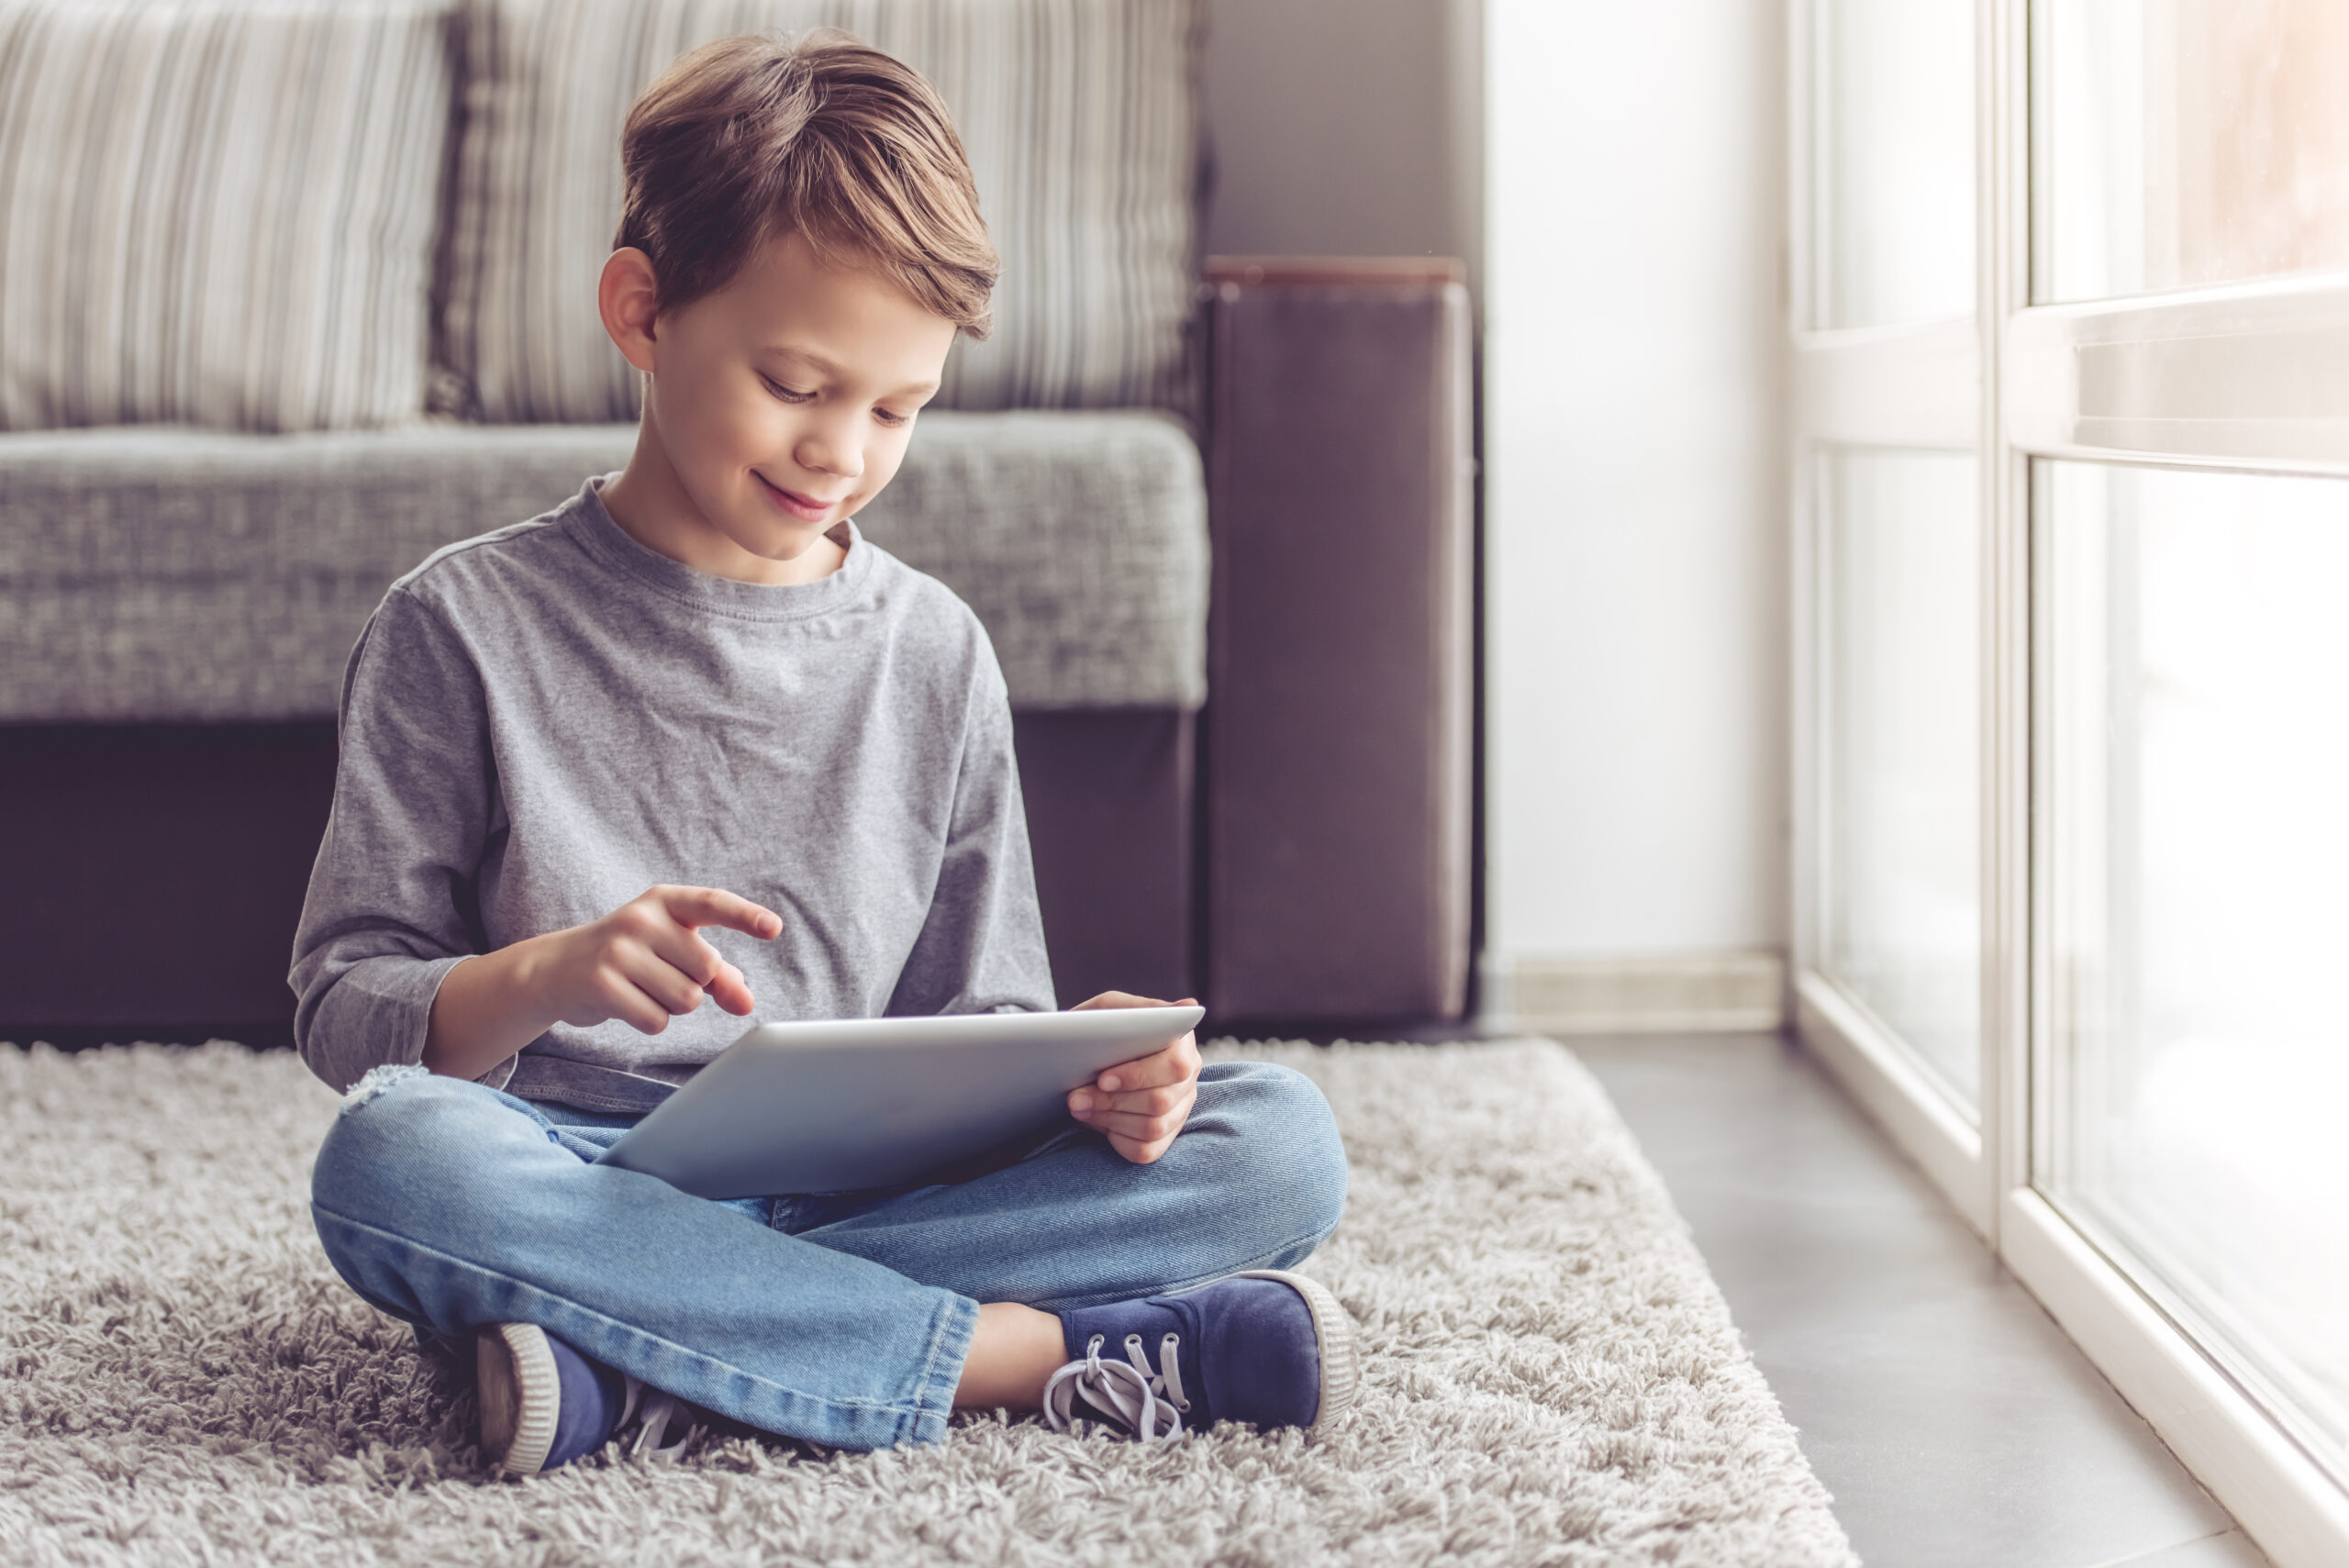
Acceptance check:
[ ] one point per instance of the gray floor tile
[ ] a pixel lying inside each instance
(1955, 1423)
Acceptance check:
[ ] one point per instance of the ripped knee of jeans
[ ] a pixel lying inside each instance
(378, 1079)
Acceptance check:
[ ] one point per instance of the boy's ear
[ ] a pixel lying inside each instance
(627, 296)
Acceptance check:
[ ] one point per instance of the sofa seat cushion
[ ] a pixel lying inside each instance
(167, 574)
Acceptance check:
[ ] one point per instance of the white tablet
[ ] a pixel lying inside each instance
(826, 1107)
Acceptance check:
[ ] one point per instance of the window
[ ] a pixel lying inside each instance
(2071, 347)
(1902, 734)
(1893, 141)
(1888, 947)
(2197, 667)
(2185, 143)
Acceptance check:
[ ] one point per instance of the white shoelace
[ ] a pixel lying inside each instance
(658, 1411)
(1128, 1392)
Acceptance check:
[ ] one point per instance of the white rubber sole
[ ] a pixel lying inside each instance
(1341, 1342)
(520, 1394)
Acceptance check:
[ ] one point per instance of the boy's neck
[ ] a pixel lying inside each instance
(652, 508)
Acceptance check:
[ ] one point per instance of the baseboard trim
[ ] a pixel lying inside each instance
(1705, 992)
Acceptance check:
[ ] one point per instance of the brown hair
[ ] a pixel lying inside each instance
(750, 138)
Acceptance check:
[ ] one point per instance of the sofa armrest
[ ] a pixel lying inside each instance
(1336, 767)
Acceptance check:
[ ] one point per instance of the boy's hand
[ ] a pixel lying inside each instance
(644, 963)
(1141, 1104)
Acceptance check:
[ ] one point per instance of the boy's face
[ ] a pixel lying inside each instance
(782, 403)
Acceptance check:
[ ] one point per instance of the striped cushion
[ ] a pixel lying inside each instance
(1077, 115)
(218, 212)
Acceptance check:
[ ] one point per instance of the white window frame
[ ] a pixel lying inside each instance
(2237, 377)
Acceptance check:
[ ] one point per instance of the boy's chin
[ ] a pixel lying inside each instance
(780, 543)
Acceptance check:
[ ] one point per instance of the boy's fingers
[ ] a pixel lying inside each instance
(623, 999)
(1127, 1124)
(702, 965)
(654, 975)
(672, 967)
(1146, 1115)
(1174, 1063)
(1115, 999)
(1138, 1151)
(732, 991)
(687, 954)
(1142, 1102)
(715, 906)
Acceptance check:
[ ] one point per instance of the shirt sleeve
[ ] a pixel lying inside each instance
(981, 945)
(392, 906)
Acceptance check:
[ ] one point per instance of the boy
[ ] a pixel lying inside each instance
(698, 678)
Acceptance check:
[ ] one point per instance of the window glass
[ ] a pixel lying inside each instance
(1900, 704)
(2196, 843)
(1893, 143)
(2182, 142)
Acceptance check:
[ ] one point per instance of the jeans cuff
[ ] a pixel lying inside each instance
(941, 1372)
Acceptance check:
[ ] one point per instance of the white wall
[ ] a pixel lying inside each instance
(1635, 584)
(1617, 170)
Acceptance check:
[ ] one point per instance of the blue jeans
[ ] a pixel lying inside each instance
(843, 1319)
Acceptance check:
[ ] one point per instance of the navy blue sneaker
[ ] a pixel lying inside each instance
(544, 1403)
(1266, 1347)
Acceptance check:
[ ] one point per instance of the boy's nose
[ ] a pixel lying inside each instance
(821, 454)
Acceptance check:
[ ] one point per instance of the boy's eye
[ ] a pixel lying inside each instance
(786, 394)
(891, 416)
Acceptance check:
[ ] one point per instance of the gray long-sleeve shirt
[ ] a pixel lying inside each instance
(539, 724)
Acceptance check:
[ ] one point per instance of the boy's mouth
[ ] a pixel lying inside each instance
(805, 508)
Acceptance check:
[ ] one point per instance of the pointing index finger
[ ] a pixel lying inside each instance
(696, 907)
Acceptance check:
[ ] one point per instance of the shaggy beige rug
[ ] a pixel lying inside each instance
(1552, 1376)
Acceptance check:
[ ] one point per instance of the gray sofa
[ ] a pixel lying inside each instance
(177, 603)
(162, 583)
(170, 575)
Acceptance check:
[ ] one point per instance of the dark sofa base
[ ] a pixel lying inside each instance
(151, 875)
(1110, 823)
